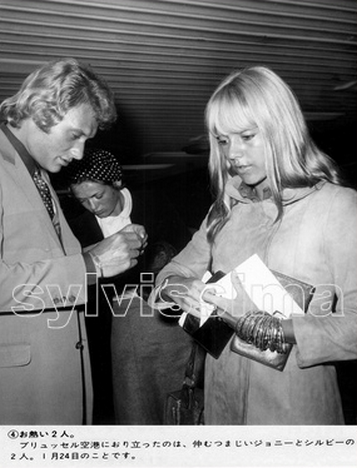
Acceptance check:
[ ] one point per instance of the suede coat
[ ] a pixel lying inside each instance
(44, 360)
(315, 242)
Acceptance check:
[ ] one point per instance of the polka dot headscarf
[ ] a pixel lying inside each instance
(97, 165)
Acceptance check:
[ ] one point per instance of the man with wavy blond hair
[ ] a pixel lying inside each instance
(44, 362)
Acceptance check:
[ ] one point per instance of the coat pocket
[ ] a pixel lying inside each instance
(15, 355)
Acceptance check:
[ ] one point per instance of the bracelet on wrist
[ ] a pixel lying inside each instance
(262, 330)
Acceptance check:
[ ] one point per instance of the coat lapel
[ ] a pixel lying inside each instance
(23, 180)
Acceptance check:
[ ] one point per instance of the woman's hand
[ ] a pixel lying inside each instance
(228, 308)
(185, 292)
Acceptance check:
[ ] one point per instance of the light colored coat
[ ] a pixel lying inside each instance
(44, 361)
(314, 242)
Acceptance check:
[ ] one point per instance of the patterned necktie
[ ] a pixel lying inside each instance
(44, 192)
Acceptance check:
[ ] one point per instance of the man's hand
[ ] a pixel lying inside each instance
(118, 252)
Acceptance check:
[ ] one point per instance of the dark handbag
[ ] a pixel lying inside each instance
(214, 334)
(185, 406)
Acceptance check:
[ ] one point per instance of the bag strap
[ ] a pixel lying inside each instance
(194, 365)
(194, 368)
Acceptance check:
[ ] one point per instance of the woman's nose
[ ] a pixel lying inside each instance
(92, 204)
(236, 148)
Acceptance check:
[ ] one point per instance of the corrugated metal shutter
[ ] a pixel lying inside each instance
(163, 58)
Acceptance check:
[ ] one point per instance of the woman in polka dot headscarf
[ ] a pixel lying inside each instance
(96, 182)
(138, 356)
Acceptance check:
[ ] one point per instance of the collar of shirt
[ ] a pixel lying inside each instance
(251, 193)
(112, 224)
(238, 190)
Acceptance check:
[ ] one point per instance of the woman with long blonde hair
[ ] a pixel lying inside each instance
(281, 198)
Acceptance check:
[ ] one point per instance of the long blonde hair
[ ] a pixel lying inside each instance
(257, 97)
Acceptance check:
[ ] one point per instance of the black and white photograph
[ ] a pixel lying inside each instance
(178, 233)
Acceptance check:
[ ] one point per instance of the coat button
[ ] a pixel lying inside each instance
(79, 345)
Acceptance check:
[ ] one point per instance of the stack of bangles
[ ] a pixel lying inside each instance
(263, 330)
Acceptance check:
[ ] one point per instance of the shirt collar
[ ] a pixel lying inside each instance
(112, 224)
(252, 194)
(238, 190)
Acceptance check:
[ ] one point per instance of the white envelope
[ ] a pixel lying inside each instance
(261, 285)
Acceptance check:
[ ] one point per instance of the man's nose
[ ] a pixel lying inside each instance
(77, 151)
